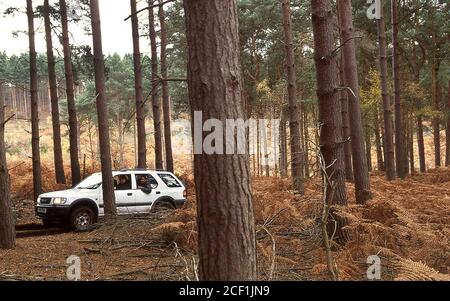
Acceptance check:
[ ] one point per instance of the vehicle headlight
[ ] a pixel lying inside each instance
(59, 201)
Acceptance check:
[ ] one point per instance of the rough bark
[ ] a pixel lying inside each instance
(360, 167)
(57, 149)
(139, 97)
(294, 109)
(102, 112)
(331, 142)
(156, 107)
(399, 135)
(7, 230)
(388, 135)
(70, 94)
(36, 156)
(165, 90)
(227, 244)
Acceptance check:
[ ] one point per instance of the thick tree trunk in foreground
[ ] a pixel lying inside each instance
(399, 134)
(331, 142)
(227, 244)
(156, 107)
(109, 200)
(57, 149)
(73, 122)
(389, 157)
(329, 107)
(7, 230)
(360, 167)
(294, 109)
(165, 90)
(140, 110)
(36, 156)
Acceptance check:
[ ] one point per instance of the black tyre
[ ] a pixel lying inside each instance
(81, 218)
(160, 206)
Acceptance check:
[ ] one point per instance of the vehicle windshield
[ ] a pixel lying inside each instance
(92, 182)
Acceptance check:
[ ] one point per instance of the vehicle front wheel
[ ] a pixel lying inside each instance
(81, 218)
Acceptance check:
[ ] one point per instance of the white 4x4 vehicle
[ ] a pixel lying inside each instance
(136, 191)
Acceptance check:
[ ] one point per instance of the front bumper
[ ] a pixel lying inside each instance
(54, 213)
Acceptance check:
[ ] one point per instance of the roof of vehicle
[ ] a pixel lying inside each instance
(140, 169)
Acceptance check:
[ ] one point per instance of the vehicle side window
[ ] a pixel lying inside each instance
(122, 182)
(169, 180)
(143, 180)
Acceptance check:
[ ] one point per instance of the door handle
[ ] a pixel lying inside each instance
(129, 194)
(158, 192)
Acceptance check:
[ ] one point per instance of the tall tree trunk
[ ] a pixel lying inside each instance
(258, 149)
(330, 117)
(156, 107)
(329, 107)
(109, 200)
(388, 131)
(345, 125)
(421, 144)
(73, 122)
(436, 107)
(140, 110)
(7, 230)
(305, 139)
(294, 109)
(368, 150)
(399, 135)
(411, 144)
(36, 156)
(360, 167)
(57, 149)
(265, 148)
(165, 90)
(283, 145)
(447, 130)
(380, 162)
(227, 243)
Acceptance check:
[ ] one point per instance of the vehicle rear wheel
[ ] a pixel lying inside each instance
(161, 206)
(81, 218)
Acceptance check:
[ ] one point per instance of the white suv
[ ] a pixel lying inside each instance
(137, 191)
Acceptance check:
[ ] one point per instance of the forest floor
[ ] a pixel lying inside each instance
(407, 224)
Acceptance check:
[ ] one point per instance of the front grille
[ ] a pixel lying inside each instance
(46, 200)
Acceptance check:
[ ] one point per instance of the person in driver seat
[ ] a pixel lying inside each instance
(144, 184)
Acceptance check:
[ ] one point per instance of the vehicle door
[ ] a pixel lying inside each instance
(125, 195)
(144, 197)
